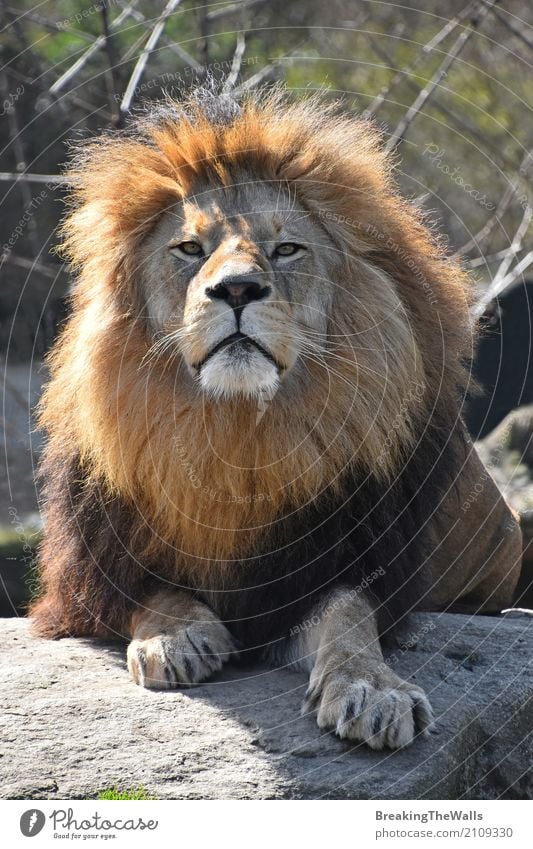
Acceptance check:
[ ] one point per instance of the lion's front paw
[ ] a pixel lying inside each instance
(178, 658)
(388, 712)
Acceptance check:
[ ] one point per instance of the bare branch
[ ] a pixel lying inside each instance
(236, 64)
(423, 97)
(54, 26)
(151, 44)
(204, 32)
(265, 72)
(512, 28)
(511, 190)
(24, 176)
(91, 51)
(233, 9)
(168, 42)
(32, 265)
(515, 246)
(478, 261)
(428, 48)
(503, 279)
(18, 152)
(259, 77)
(458, 118)
(519, 269)
(113, 61)
(505, 283)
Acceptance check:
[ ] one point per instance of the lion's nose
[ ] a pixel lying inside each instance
(238, 293)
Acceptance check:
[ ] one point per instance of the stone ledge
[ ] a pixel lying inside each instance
(77, 725)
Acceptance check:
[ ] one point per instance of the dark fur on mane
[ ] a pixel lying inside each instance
(99, 542)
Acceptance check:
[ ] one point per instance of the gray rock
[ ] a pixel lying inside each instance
(77, 725)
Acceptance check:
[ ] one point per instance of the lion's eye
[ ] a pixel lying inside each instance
(287, 249)
(188, 248)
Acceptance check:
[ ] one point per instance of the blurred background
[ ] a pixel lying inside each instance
(450, 86)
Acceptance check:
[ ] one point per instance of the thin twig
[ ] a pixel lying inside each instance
(18, 152)
(519, 269)
(266, 71)
(460, 119)
(170, 43)
(423, 97)
(512, 27)
(505, 283)
(113, 61)
(47, 23)
(97, 45)
(26, 177)
(259, 77)
(31, 265)
(204, 32)
(151, 44)
(236, 64)
(478, 261)
(515, 246)
(502, 278)
(510, 191)
(235, 8)
(428, 48)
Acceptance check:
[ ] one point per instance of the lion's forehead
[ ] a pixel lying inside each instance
(251, 207)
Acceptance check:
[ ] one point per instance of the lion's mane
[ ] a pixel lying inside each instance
(358, 492)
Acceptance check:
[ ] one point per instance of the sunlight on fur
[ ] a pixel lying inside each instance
(343, 329)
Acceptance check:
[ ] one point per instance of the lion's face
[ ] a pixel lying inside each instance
(228, 255)
(238, 282)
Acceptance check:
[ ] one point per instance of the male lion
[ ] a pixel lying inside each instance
(253, 418)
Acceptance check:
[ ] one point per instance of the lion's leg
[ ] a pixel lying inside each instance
(176, 640)
(351, 687)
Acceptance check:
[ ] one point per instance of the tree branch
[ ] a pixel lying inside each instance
(91, 51)
(151, 44)
(423, 97)
(233, 76)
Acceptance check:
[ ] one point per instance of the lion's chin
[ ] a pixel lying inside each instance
(245, 373)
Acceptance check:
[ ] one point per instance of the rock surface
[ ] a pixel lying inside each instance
(74, 724)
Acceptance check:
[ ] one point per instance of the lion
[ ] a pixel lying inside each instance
(254, 438)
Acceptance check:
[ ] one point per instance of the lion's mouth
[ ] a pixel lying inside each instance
(241, 341)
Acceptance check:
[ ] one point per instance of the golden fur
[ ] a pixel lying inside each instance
(336, 169)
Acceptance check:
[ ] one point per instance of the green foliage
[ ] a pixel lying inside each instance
(122, 795)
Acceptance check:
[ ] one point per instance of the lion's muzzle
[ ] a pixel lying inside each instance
(238, 292)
